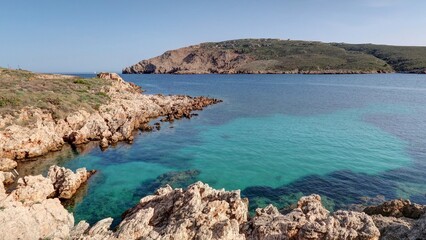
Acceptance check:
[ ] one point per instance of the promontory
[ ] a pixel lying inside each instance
(275, 56)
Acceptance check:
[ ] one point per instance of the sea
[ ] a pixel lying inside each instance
(353, 139)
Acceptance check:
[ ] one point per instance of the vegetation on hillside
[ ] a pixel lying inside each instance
(56, 94)
(275, 54)
(402, 59)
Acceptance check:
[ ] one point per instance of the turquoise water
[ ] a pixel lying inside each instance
(275, 137)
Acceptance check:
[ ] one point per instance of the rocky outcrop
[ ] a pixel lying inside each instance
(197, 212)
(200, 212)
(114, 121)
(192, 60)
(66, 182)
(310, 220)
(26, 213)
(397, 219)
(397, 208)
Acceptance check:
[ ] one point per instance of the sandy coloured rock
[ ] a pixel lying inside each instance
(310, 220)
(115, 120)
(66, 182)
(7, 164)
(397, 208)
(197, 212)
(26, 213)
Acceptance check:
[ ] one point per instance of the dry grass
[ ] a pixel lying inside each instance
(57, 94)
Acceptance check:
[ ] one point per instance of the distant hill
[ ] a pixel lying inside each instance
(285, 56)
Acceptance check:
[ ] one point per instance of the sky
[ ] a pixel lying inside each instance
(78, 36)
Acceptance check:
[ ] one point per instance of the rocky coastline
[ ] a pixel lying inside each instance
(33, 211)
(116, 120)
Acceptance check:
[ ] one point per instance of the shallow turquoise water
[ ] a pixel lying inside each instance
(275, 137)
(279, 149)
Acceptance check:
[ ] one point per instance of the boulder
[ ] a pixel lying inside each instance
(66, 182)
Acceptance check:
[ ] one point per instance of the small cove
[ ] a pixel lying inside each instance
(275, 137)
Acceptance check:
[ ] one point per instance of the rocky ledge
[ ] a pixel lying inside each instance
(201, 212)
(115, 120)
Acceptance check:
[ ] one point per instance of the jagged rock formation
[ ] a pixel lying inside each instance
(114, 121)
(27, 213)
(198, 212)
(310, 220)
(397, 208)
(66, 182)
(397, 219)
(201, 212)
(270, 56)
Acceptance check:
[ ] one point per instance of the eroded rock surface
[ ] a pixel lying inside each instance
(397, 208)
(66, 182)
(310, 220)
(26, 213)
(397, 219)
(197, 212)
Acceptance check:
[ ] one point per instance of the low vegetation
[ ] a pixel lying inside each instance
(57, 94)
(274, 54)
(402, 59)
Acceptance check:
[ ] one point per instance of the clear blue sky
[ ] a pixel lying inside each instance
(107, 35)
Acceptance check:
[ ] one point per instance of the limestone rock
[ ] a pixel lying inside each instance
(45, 219)
(7, 164)
(26, 213)
(310, 220)
(114, 121)
(66, 182)
(32, 189)
(397, 208)
(392, 227)
(199, 212)
(112, 76)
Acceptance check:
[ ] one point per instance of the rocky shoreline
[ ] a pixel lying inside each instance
(114, 121)
(33, 211)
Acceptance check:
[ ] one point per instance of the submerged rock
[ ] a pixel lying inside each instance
(66, 182)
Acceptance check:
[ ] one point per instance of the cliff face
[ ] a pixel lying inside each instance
(284, 56)
(194, 59)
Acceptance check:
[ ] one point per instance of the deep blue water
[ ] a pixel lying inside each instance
(275, 137)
